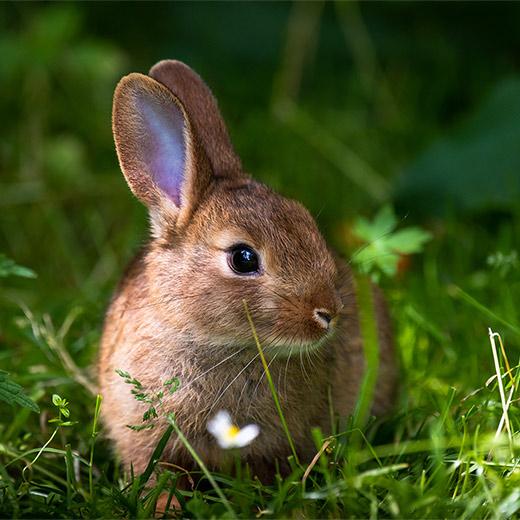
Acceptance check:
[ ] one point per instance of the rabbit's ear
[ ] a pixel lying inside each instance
(159, 154)
(202, 108)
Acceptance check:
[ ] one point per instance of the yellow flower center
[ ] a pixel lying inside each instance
(232, 432)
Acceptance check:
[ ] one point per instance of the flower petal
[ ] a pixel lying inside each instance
(220, 424)
(228, 435)
(225, 443)
(246, 435)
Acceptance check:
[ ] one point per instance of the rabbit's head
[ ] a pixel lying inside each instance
(218, 237)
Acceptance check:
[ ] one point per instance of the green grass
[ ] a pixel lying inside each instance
(436, 457)
(366, 107)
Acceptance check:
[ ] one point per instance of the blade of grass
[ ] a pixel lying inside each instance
(17, 457)
(271, 384)
(456, 292)
(492, 336)
(315, 459)
(203, 467)
(40, 451)
(424, 445)
(156, 455)
(93, 436)
(71, 479)
(137, 484)
(149, 510)
(369, 334)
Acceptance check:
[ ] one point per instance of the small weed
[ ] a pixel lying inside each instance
(153, 400)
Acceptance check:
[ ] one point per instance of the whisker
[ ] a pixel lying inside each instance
(213, 367)
(283, 297)
(233, 380)
(258, 384)
(286, 368)
(304, 371)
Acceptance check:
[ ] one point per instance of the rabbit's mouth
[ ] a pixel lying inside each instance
(293, 347)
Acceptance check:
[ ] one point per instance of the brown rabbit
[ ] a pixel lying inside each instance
(219, 238)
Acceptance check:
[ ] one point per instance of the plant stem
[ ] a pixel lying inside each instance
(40, 451)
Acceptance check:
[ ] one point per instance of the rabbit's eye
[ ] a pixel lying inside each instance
(243, 259)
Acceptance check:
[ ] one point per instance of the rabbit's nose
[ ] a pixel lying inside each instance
(323, 317)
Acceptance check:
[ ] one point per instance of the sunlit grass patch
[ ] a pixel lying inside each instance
(447, 451)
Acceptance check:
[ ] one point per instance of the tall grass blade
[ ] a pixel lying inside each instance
(503, 400)
(271, 384)
(93, 436)
(369, 333)
(456, 292)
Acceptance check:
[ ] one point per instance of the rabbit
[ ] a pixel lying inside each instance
(219, 238)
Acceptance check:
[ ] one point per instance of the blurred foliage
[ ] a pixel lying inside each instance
(13, 394)
(476, 169)
(55, 99)
(9, 268)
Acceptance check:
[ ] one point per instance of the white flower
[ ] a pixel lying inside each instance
(229, 435)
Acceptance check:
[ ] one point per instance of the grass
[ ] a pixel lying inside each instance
(438, 456)
(67, 215)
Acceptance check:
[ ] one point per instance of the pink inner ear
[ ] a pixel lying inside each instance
(164, 146)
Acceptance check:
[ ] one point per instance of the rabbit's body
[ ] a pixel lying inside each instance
(219, 239)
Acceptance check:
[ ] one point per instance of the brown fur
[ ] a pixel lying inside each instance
(179, 309)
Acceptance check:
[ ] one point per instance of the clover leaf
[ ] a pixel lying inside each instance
(383, 244)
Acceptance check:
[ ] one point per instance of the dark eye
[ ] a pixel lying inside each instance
(243, 259)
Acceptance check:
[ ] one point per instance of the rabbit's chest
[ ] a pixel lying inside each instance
(244, 390)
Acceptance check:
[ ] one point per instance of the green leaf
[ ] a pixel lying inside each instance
(384, 222)
(173, 384)
(9, 268)
(384, 245)
(12, 393)
(363, 229)
(141, 427)
(410, 240)
(388, 264)
(123, 373)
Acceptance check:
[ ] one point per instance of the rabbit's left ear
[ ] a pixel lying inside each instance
(158, 151)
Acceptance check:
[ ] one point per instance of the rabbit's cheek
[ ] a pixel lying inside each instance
(216, 309)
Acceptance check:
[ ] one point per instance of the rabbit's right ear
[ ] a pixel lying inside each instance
(159, 154)
(204, 113)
